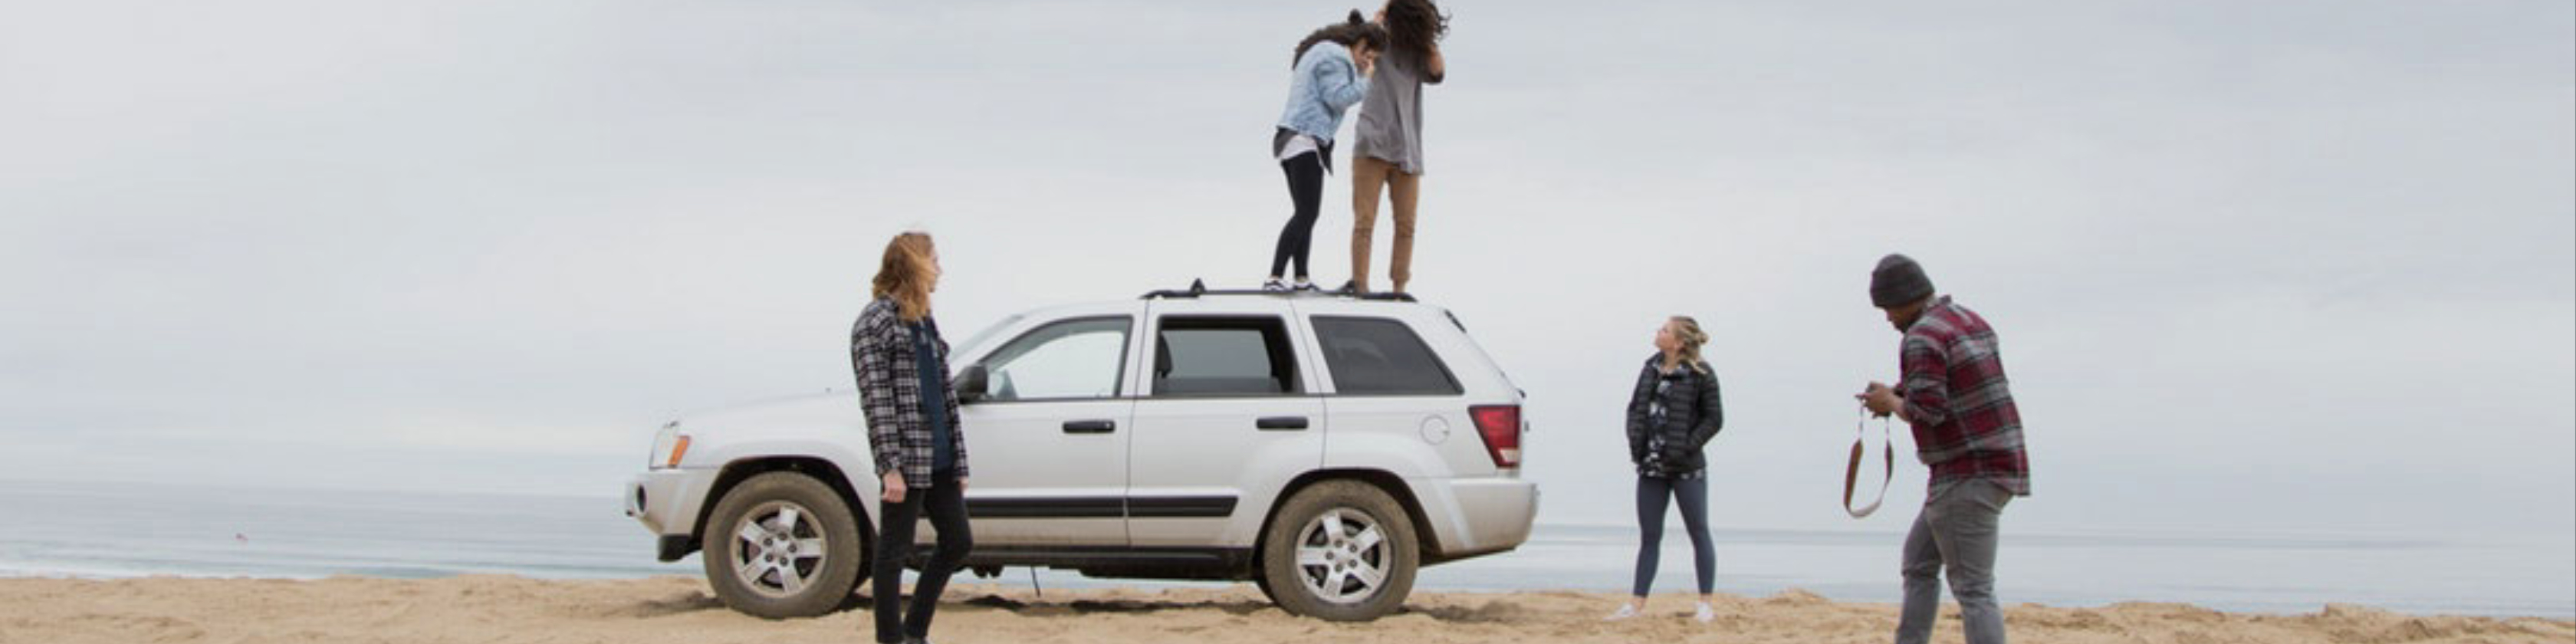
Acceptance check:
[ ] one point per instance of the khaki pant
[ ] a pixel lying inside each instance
(1368, 174)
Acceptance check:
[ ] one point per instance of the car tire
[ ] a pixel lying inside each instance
(1340, 551)
(783, 545)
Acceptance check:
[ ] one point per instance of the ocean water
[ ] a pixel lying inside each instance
(95, 530)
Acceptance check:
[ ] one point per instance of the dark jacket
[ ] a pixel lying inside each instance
(899, 435)
(1692, 416)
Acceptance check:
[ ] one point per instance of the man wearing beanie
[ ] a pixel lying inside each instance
(1954, 396)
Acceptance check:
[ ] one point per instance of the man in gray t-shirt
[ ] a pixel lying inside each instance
(1387, 154)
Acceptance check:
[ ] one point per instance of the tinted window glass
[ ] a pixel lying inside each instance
(1070, 359)
(1223, 356)
(1374, 356)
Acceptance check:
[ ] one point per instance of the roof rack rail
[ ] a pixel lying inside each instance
(1198, 287)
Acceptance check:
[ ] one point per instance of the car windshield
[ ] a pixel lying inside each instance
(985, 335)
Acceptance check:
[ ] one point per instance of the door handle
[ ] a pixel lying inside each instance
(1090, 426)
(1274, 423)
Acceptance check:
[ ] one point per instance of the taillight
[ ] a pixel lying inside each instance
(1500, 425)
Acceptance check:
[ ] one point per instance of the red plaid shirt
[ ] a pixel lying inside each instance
(1956, 398)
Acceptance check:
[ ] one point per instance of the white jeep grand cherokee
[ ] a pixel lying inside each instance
(1322, 446)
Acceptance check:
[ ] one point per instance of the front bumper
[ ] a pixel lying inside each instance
(667, 502)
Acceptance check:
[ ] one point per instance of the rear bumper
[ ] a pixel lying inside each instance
(667, 502)
(1475, 516)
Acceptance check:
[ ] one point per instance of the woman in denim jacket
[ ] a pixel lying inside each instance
(1332, 67)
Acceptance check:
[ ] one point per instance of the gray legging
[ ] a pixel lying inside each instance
(1652, 492)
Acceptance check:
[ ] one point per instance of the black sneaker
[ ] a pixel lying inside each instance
(1274, 285)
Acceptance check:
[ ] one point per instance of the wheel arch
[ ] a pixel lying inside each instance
(1427, 541)
(739, 470)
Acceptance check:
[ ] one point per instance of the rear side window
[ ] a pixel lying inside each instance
(1371, 356)
(1211, 356)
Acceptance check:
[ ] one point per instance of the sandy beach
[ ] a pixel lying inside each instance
(494, 609)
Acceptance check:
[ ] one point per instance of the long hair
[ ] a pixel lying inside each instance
(1413, 26)
(903, 275)
(1687, 331)
(1350, 31)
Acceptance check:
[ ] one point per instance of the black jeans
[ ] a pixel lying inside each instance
(1653, 494)
(946, 505)
(1306, 192)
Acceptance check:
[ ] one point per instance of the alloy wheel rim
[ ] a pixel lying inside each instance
(1343, 557)
(779, 550)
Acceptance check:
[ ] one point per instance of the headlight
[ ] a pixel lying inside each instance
(668, 446)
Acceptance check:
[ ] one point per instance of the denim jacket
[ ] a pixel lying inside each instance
(1325, 85)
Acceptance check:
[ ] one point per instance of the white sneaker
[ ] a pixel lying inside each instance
(1274, 285)
(1625, 612)
(1706, 614)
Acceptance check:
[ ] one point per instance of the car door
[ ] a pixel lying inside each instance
(1049, 435)
(1226, 419)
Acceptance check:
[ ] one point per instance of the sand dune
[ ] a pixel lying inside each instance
(486, 609)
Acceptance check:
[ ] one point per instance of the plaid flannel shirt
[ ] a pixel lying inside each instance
(882, 355)
(1956, 398)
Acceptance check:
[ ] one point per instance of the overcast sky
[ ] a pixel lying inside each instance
(2256, 266)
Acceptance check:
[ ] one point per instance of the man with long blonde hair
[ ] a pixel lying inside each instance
(913, 433)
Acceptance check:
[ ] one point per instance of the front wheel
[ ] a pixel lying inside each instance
(1340, 551)
(783, 545)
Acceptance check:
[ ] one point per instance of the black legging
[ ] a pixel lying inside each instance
(1305, 190)
(946, 505)
(1652, 492)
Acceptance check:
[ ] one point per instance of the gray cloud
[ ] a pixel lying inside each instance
(2294, 265)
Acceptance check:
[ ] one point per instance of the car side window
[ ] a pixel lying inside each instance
(1224, 356)
(1072, 359)
(1372, 356)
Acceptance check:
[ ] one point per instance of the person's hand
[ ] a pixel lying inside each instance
(1880, 399)
(1368, 62)
(1676, 454)
(961, 485)
(894, 487)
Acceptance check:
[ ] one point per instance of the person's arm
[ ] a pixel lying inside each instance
(956, 420)
(1712, 413)
(1637, 415)
(1340, 84)
(876, 376)
(1434, 67)
(1925, 390)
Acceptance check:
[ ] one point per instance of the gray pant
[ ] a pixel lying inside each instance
(1958, 529)
(1653, 493)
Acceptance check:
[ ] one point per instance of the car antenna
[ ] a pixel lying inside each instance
(1033, 583)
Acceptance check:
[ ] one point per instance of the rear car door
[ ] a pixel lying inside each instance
(1227, 417)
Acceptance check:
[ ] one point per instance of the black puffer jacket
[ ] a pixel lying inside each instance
(1692, 415)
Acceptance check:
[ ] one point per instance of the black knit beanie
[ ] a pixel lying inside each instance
(1898, 281)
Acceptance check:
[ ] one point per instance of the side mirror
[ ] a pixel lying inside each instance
(970, 384)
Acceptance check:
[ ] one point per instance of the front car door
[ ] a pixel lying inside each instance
(1049, 438)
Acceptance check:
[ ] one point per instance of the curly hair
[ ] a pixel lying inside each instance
(1350, 31)
(1414, 26)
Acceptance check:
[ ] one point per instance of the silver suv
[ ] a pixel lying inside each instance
(1322, 446)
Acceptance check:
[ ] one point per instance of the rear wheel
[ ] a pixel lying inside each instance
(783, 545)
(1341, 551)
